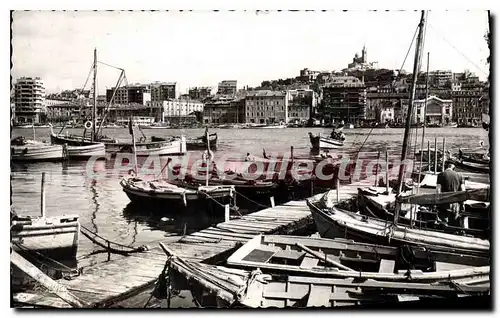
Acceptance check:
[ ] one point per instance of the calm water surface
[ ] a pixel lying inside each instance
(104, 208)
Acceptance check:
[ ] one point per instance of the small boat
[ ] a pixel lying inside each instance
(474, 220)
(334, 258)
(172, 146)
(465, 165)
(221, 286)
(198, 143)
(23, 150)
(322, 142)
(80, 149)
(453, 125)
(424, 154)
(163, 193)
(56, 237)
(155, 126)
(332, 220)
(269, 126)
(243, 186)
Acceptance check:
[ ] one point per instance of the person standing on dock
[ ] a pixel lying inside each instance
(449, 181)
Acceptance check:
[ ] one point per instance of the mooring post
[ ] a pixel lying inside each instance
(42, 196)
(386, 170)
(435, 154)
(376, 172)
(444, 153)
(337, 185)
(272, 201)
(428, 155)
(109, 251)
(226, 213)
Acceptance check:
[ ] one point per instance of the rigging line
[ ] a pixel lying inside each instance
(88, 76)
(119, 68)
(459, 52)
(409, 49)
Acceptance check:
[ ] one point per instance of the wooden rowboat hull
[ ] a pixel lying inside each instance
(56, 237)
(30, 153)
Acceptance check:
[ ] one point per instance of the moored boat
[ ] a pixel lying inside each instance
(231, 287)
(198, 143)
(163, 193)
(323, 142)
(56, 237)
(23, 150)
(79, 149)
(333, 221)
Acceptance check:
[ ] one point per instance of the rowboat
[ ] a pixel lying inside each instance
(78, 148)
(223, 286)
(322, 142)
(470, 166)
(340, 257)
(165, 194)
(23, 150)
(198, 143)
(55, 237)
(173, 146)
(333, 221)
(474, 220)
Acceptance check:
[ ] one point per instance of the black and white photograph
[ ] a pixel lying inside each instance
(251, 159)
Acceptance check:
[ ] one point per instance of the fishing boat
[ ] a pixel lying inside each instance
(223, 286)
(474, 220)
(23, 150)
(334, 258)
(466, 165)
(56, 237)
(155, 126)
(322, 142)
(172, 146)
(163, 193)
(80, 149)
(332, 220)
(269, 126)
(198, 143)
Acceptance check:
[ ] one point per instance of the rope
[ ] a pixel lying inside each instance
(220, 204)
(68, 269)
(110, 249)
(259, 204)
(409, 49)
(463, 55)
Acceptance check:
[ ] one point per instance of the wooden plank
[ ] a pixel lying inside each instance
(223, 232)
(386, 266)
(289, 254)
(309, 262)
(225, 237)
(55, 288)
(40, 300)
(319, 296)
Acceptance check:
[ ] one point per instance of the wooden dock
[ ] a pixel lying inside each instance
(126, 281)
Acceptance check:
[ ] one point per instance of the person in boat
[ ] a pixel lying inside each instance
(449, 181)
(249, 157)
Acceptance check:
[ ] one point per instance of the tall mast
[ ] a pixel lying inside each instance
(94, 106)
(416, 65)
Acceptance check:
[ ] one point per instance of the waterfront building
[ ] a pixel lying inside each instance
(301, 105)
(438, 112)
(136, 93)
(29, 96)
(266, 107)
(161, 91)
(227, 87)
(199, 93)
(171, 110)
(344, 99)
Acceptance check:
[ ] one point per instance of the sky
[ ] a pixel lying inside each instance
(201, 48)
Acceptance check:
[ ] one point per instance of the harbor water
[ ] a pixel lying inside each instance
(105, 209)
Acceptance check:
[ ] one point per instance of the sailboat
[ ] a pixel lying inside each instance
(334, 221)
(174, 146)
(175, 195)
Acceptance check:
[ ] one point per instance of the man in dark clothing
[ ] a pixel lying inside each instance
(449, 181)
